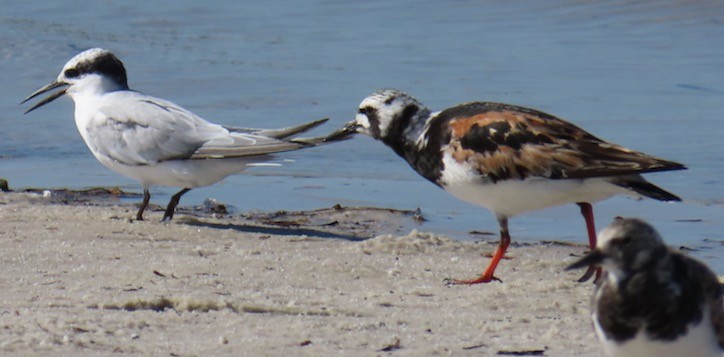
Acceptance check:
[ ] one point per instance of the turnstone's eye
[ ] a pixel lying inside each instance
(362, 111)
(626, 240)
(71, 73)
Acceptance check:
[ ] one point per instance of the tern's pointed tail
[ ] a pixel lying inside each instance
(285, 133)
(319, 140)
(281, 133)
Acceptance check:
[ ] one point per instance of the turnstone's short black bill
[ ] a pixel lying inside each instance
(155, 141)
(506, 158)
(652, 300)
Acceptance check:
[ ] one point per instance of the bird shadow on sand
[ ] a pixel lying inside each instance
(337, 222)
(281, 231)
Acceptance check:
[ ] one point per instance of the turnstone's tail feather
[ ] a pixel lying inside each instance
(637, 184)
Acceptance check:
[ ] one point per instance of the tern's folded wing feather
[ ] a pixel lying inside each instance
(281, 133)
(135, 129)
(239, 145)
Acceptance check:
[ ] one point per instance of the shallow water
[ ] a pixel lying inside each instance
(646, 75)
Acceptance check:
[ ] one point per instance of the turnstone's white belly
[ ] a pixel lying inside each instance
(513, 197)
(699, 341)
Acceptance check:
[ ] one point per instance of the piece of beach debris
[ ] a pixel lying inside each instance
(481, 233)
(93, 194)
(522, 353)
(214, 206)
(4, 187)
(474, 346)
(391, 347)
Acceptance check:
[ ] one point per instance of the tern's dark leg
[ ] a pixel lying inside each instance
(144, 204)
(172, 205)
(587, 212)
(487, 276)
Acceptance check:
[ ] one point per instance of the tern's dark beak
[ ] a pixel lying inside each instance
(344, 133)
(47, 100)
(594, 258)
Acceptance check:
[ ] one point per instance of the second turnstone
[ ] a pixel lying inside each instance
(506, 158)
(653, 301)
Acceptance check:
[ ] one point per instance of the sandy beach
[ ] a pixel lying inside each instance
(86, 280)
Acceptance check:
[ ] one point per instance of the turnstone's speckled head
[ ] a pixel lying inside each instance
(91, 69)
(624, 246)
(389, 113)
(391, 116)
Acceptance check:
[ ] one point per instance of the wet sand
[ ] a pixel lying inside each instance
(83, 279)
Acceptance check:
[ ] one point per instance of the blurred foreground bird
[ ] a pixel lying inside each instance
(653, 301)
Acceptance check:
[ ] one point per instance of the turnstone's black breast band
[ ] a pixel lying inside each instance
(394, 137)
(427, 160)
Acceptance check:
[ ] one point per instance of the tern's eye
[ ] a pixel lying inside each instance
(71, 73)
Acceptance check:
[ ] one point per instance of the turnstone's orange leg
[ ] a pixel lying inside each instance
(587, 212)
(488, 276)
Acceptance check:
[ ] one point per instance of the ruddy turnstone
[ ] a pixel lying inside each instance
(153, 140)
(652, 300)
(506, 158)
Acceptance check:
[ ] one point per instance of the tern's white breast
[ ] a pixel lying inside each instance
(184, 173)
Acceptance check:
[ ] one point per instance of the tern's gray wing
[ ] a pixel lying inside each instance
(239, 145)
(135, 129)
